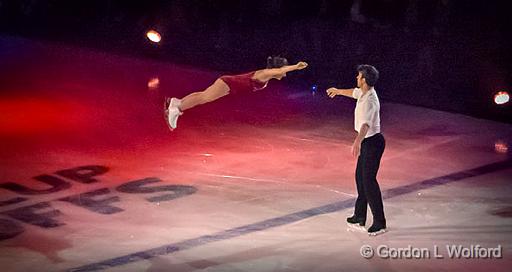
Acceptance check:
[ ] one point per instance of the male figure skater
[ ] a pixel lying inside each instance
(368, 147)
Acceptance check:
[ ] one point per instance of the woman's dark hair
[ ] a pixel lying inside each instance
(370, 74)
(276, 62)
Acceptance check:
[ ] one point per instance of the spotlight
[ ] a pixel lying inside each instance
(501, 98)
(154, 36)
(153, 83)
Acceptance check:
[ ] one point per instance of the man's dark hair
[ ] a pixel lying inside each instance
(370, 74)
(276, 62)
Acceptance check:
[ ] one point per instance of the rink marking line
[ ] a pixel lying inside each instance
(289, 218)
(279, 182)
(246, 178)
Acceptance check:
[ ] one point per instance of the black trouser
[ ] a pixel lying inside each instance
(368, 189)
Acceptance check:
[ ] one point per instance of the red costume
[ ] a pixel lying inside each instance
(243, 83)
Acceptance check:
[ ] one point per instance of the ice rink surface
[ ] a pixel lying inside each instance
(92, 179)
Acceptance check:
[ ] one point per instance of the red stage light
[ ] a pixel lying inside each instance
(154, 36)
(29, 116)
(501, 98)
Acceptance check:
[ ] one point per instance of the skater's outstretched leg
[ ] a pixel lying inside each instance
(175, 107)
(217, 90)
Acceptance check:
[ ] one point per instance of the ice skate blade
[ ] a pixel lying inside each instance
(377, 232)
(166, 117)
(355, 228)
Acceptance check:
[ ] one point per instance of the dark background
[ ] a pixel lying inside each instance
(451, 55)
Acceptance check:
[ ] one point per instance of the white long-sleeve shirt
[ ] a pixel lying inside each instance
(367, 111)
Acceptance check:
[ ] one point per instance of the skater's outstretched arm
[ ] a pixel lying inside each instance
(270, 73)
(288, 68)
(332, 92)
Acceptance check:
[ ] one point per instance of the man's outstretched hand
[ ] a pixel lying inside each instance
(332, 92)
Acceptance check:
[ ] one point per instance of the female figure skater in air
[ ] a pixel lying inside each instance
(277, 67)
